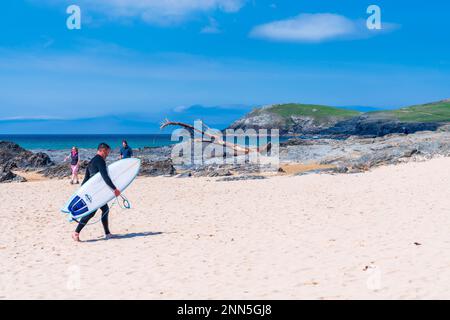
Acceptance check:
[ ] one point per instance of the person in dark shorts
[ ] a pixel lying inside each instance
(126, 151)
(96, 165)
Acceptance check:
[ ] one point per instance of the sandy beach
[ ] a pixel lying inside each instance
(375, 235)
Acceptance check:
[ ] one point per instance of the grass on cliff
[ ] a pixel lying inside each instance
(438, 112)
(309, 110)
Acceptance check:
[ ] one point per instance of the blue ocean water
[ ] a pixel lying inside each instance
(64, 142)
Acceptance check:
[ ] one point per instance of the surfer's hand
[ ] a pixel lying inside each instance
(117, 192)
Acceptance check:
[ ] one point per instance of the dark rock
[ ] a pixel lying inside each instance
(39, 160)
(241, 178)
(148, 169)
(157, 168)
(154, 153)
(187, 174)
(224, 170)
(318, 171)
(12, 157)
(372, 125)
(298, 142)
(6, 175)
(13, 154)
(341, 169)
(212, 171)
(62, 170)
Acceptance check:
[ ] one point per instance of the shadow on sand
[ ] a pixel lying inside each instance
(127, 236)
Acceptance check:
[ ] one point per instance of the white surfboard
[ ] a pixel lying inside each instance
(95, 193)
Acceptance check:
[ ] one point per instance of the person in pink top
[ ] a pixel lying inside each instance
(74, 165)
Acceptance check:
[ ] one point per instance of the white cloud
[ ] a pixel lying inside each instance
(180, 109)
(162, 12)
(319, 27)
(212, 28)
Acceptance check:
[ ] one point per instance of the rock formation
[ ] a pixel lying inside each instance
(14, 157)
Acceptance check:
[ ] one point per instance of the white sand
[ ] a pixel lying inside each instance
(286, 237)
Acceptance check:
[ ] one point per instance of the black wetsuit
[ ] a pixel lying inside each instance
(97, 165)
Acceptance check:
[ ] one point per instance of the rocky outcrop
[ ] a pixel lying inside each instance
(294, 118)
(7, 175)
(286, 125)
(223, 170)
(328, 121)
(157, 168)
(62, 170)
(13, 157)
(378, 126)
(149, 153)
(358, 154)
(364, 125)
(241, 178)
(13, 154)
(212, 171)
(260, 120)
(148, 169)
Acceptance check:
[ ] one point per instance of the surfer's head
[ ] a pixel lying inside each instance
(125, 143)
(103, 150)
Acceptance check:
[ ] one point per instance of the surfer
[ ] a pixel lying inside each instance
(98, 164)
(74, 165)
(126, 151)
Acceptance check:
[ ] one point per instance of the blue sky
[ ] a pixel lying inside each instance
(148, 59)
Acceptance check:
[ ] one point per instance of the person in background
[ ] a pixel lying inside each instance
(126, 151)
(74, 165)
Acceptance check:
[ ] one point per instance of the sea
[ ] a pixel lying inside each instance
(65, 142)
(42, 142)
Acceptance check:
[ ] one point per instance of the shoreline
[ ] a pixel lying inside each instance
(334, 156)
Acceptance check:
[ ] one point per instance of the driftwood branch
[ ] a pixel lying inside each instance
(217, 139)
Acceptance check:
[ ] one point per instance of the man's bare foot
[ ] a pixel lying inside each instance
(76, 237)
(109, 236)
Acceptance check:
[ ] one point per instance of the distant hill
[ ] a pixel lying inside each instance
(127, 123)
(290, 118)
(315, 119)
(430, 112)
(293, 118)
